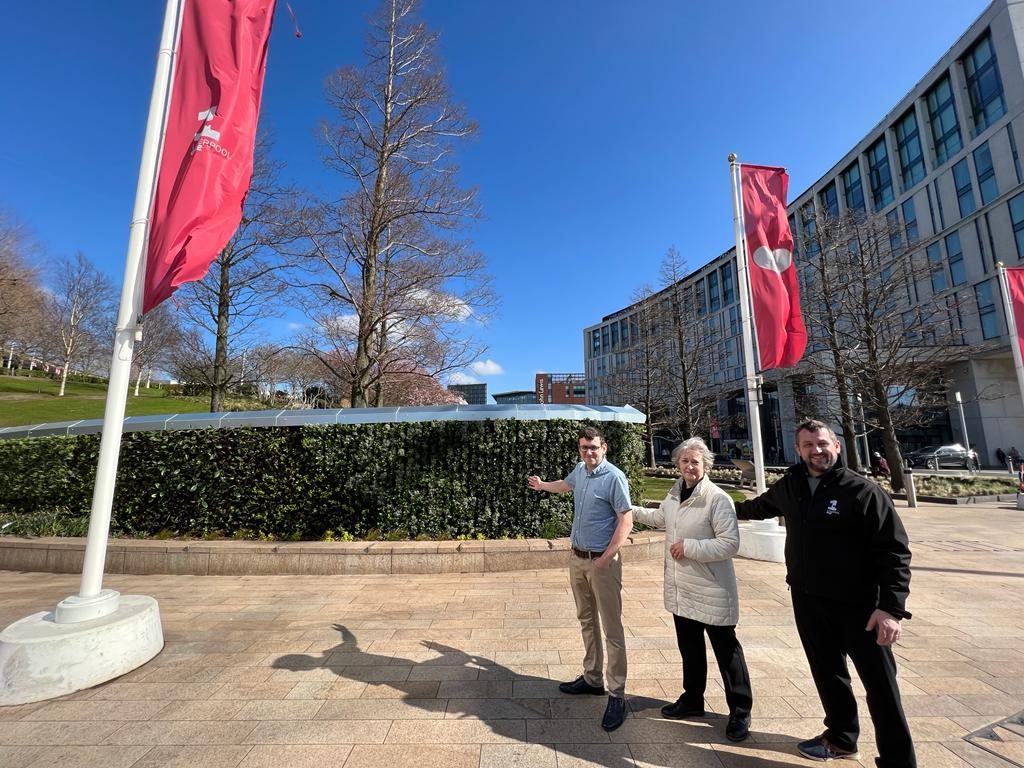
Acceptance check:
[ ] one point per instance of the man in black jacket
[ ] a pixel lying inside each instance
(848, 567)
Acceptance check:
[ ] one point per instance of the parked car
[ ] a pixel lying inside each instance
(938, 456)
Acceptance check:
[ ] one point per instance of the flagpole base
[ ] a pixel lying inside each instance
(76, 608)
(42, 659)
(763, 540)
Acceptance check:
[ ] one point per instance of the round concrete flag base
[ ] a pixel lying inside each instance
(41, 659)
(763, 540)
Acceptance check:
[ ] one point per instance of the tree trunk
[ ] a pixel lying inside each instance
(218, 388)
(64, 376)
(893, 455)
(138, 381)
(849, 429)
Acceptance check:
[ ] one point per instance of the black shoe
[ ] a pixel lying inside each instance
(822, 750)
(614, 713)
(738, 728)
(579, 685)
(682, 709)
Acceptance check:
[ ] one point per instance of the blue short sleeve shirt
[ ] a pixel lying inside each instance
(598, 498)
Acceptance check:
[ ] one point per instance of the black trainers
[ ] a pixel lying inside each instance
(682, 709)
(822, 750)
(738, 728)
(580, 685)
(614, 713)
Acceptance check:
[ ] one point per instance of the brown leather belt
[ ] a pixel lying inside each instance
(586, 555)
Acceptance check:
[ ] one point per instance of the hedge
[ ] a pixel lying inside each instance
(440, 479)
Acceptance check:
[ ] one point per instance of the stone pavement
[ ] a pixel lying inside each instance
(462, 670)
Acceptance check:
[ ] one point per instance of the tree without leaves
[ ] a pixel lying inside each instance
(823, 265)
(394, 286)
(691, 401)
(80, 311)
(21, 297)
(161, 335)
(642, 380)
(881, 338)
(266, 367)
(245, 281)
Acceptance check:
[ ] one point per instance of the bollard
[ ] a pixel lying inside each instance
(908, 480)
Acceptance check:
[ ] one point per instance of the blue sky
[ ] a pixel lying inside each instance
(604, 128)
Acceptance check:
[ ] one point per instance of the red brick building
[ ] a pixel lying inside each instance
(563, 388)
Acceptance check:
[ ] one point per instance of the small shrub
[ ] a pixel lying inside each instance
(53, 522)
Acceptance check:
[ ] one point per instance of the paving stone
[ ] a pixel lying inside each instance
(19, 757)
(462, 669)
(295, 756)
(415, 756)
(517, 756)
(192, 756)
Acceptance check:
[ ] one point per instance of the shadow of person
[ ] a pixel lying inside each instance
(509, 711)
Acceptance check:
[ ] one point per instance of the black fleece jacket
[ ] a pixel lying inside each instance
(844, 543)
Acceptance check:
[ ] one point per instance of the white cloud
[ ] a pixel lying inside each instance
(462, 378)
(296, 326)
(437, 303)
(486, 368)
(343, 324)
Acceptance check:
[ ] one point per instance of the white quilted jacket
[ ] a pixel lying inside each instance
(701, 586)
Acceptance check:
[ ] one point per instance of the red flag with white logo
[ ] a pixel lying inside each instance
(206, 159)
(1015, 282)
(775, 293)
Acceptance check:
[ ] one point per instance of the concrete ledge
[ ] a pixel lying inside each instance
(237, 558)
(958, 499)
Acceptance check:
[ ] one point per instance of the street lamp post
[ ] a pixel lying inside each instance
(963, 421)
(864, 426)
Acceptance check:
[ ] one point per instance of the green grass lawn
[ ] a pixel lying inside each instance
(657, 487)
(25, 400)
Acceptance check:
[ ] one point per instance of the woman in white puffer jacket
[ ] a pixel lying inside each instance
(701, 537)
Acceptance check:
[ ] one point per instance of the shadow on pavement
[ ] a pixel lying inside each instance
(452, 685)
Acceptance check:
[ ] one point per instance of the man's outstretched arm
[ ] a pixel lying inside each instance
(554, 486)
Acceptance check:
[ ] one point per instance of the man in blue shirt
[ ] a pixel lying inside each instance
(601, 524)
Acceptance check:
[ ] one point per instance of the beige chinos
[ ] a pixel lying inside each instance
(598, 595)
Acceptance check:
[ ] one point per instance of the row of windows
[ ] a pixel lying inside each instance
(945, 271)
(963, 186)
(987, 103)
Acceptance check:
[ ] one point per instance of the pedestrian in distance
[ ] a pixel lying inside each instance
(879, 466)
(1013, 457)
(701, 537)
(848, 568)
(601, 524)
(1000, 457)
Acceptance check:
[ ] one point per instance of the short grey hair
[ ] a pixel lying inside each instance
(694, 444)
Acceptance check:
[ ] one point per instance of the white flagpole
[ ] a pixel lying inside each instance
(98, 634)
(93, 601)
(1011, 323)
(746, 324)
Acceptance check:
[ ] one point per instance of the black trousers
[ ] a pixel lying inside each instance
(728, 654)
(831, 631)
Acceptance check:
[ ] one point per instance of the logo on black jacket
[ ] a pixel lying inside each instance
(833, 507)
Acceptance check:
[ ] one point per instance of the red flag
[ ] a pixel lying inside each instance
(775, 293)
(1015, 282)
(206, 161)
